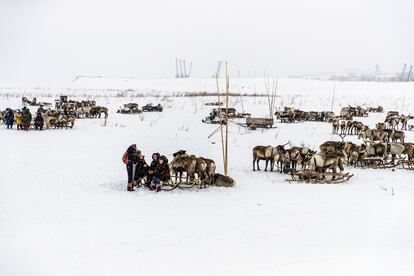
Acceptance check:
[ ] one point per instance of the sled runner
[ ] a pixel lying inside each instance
(313, 177)
(407, 165)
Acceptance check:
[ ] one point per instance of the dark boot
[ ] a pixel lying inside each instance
(130, 187)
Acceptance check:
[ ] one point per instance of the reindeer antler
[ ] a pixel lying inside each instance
(342, 136)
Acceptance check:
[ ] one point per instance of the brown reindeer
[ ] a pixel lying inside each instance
(183, 163)
(96, 111)
(335, 126)
(343, 127)
(322, 162)
(332, 146)
(211, 170)
(404, 121)
(266, 153)
(380, 126)
(397, 135)
(409, 150)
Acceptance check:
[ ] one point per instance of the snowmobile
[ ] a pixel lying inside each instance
(150, 107)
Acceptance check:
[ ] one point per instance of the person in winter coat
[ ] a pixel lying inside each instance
(153, 165)
(161, 173)
(26, 118)
(9, 118)
(38, 123)
(19, 120)
(141, 169)
(130, 159)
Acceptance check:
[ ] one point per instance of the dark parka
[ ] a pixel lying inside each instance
(39, 121)
(26, 117)
(162, 171)
(9, 117)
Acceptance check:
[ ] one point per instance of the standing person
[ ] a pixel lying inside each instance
(9, 118)
(130, 159)
(161, 173)
(19, 120)
(38, 123)
(26, 118)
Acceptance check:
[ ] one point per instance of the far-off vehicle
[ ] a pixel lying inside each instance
(130, 108)
(218, 115)
(152, 108)
(214, 118)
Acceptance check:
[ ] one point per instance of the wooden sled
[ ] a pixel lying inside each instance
(312, 177)
(185, 183)
(407, 165)
(378, 163)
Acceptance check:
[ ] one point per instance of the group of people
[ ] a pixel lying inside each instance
(138, 170)
(22, 118)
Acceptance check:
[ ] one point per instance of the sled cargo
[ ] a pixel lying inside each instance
(259, 122)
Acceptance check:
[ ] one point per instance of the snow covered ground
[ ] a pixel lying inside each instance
(64, 209)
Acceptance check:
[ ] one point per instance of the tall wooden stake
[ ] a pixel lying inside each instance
(227, 123)
(221, 121)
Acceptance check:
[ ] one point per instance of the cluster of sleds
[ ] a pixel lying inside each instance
(162, 175)
(383, 147)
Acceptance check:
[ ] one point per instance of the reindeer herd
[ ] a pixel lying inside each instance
(384, 146)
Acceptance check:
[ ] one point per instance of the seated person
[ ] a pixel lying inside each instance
(161, 173)
(153, 165)
(141, 169)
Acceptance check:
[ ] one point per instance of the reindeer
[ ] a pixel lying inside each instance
(381, 136)
(211, 171)
(64, 121)
(293, 156)
(321, 162)
(266, 153)
(350, 127)
(397, 135)
(392, 122)
(380, 126)
(346, 113)
(355, 156)
(343, 127)
(335, 126)
(200, 169)
(394, 149)
(183, 163)
(332, 146)
(404, 121)
(348, 149)
(96, 111)
(409, 150)
(305, 155)
(358, 127)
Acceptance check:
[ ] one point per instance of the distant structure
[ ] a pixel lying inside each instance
(181, 69)
(403, 72)
(409, 73)
(217, 74)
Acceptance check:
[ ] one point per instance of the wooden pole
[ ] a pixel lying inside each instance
(227, 123)
(221, 121)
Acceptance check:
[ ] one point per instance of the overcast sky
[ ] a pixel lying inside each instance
(58, 40)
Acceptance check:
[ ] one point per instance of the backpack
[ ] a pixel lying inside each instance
(125, 158)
